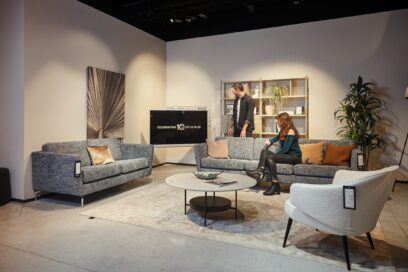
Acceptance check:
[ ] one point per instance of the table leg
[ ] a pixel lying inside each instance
(185, 201)
(205, 209)
(236, 204)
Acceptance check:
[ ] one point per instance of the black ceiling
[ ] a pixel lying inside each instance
(181, 19)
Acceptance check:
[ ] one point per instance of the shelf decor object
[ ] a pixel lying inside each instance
(271, 97)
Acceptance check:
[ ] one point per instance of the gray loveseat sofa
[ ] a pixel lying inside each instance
(53, 168)
(244, 154)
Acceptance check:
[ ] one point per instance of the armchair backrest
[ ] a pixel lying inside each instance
(372, 191)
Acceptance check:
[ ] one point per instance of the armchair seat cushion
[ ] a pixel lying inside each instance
(98, 172)
(317, 170)
(132, 165)
(221, 164)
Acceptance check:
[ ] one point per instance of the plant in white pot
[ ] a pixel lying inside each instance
(275, 95)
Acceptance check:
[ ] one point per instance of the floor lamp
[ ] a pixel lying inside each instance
(405, 144)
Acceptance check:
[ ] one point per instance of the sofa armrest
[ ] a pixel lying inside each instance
(55, 172)
(324, 203)
(200, 152)
(134, 151)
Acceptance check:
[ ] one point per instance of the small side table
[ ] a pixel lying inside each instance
(5, 187)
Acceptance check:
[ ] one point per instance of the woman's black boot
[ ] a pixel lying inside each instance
(255, 175)
(274, 189)
(258, 171)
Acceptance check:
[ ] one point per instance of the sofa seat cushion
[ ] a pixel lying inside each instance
(221, 164)
(132, 165)
(283, 169)
(98, 172)
(317, 170)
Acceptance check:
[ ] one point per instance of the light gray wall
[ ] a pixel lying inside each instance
(62, 38)
(12, 91)
(330, 53)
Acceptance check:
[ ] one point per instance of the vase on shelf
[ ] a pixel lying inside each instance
(269, 109)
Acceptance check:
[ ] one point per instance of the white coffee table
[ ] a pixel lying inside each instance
(188, 181)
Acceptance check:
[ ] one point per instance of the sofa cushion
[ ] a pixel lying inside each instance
(240, 148)
(100, 154)
(131, 165)
(317, 170)
(98, 172)
(113, 144)
(259, 144)
(226, 164)
(77, 147)
(338, 154)
(218, 149)
(283, 169)
(312, 153)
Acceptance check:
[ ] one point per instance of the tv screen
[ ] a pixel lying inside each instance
(178, 127)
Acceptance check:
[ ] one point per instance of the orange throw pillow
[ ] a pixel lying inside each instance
(338, 154)
(312, 153)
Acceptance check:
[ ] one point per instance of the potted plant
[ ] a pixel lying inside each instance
(359, 114)
(275, 95)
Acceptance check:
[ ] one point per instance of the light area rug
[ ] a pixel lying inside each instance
(261, 225)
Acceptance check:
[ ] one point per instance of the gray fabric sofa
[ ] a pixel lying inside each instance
(53, 168)
(244, 154)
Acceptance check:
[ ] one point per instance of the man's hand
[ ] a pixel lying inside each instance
(243, 134)
(230, 131)
(267, 142)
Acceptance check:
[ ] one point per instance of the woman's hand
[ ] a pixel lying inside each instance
(267, 142)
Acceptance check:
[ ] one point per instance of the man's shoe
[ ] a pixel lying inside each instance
(273, 190)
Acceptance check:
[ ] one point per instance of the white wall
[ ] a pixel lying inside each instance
(330, 53)
(12, 91)
(62, 38)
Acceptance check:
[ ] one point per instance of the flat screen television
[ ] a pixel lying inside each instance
(169, 127)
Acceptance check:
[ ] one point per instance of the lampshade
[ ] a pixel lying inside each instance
(406, 93)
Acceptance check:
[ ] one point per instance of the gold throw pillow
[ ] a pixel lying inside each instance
(100, 154)
(312, 153)
(218, 149)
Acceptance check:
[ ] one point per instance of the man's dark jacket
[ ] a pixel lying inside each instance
(246, 113)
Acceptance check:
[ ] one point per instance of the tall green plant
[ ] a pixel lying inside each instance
(359, 114)
(275, 95)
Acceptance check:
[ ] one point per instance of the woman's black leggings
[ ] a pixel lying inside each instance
(272, 159)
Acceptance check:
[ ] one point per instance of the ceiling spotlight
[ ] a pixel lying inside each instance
(175, 20)
(297, 3)
(189, 19)
(202, 16)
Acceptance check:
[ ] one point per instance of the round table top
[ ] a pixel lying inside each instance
(189, 181)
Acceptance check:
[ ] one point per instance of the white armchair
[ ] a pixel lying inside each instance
(321, 206)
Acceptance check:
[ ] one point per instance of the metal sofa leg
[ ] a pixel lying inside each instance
(36, 195)
(287, 231)
(82, 202)
(346, 251)
(370, 240)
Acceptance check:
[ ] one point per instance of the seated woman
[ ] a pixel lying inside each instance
(289, 153)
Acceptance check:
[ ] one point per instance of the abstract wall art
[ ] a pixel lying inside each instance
(105, 103)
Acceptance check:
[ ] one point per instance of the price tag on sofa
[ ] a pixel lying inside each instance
(77, 172)
(349, 197)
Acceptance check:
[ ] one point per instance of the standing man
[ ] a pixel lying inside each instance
(242, 123)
